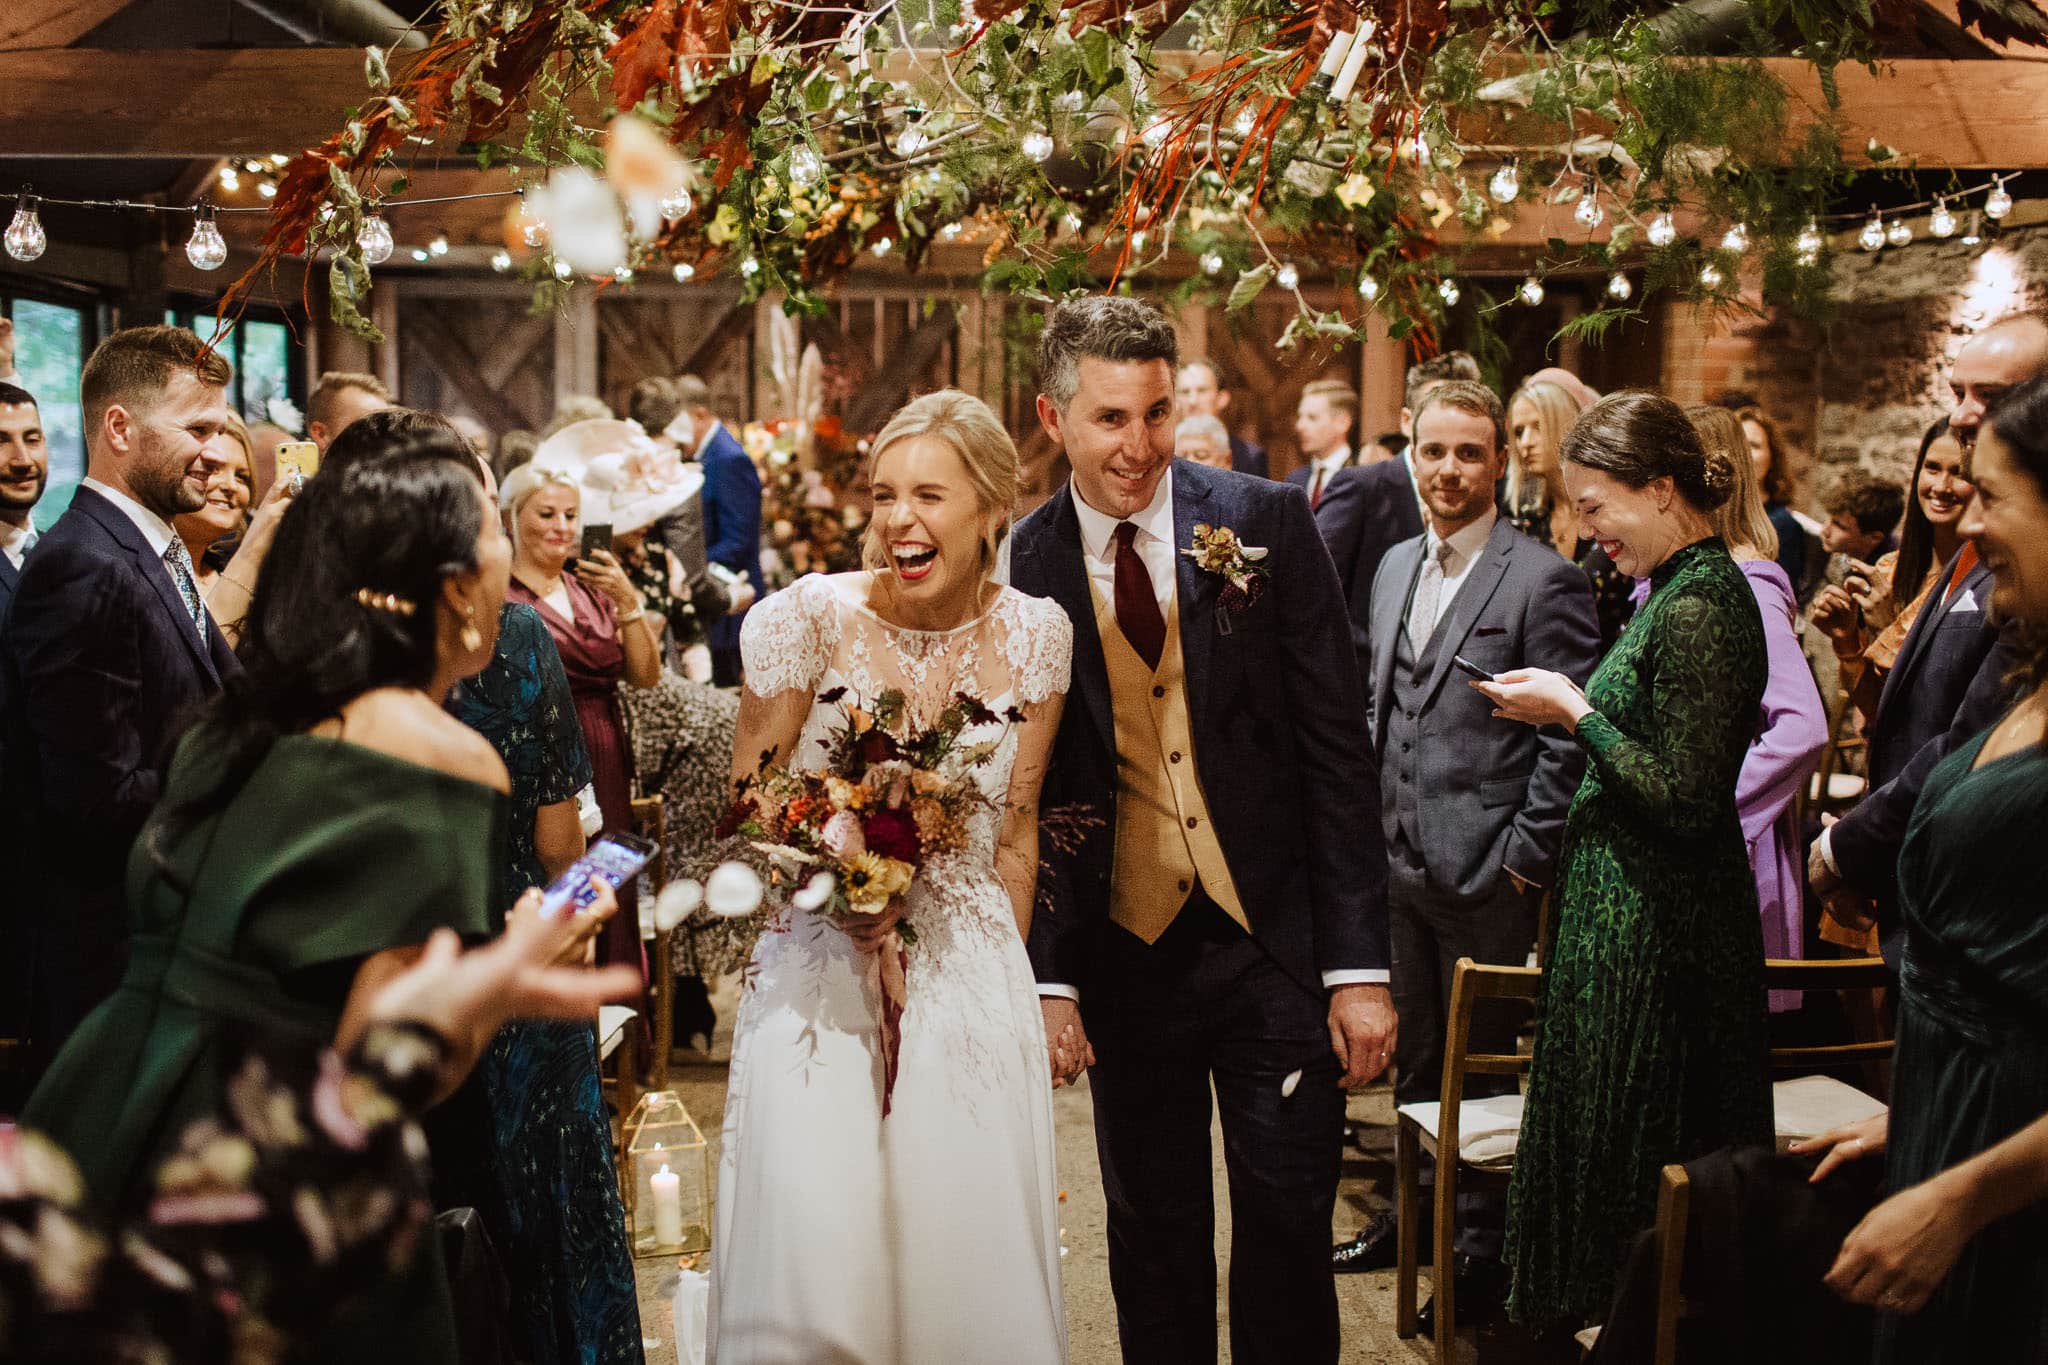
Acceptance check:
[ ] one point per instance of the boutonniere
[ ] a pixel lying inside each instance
(1217, 550)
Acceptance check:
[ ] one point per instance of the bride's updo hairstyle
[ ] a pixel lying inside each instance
(1636, 436)
(965, 423)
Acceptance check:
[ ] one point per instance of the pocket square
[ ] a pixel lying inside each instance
(1490, 630)
(1967, 602)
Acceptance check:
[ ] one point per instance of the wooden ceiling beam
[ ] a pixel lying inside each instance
(28, 24)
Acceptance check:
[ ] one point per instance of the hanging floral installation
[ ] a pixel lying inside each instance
(778, 140)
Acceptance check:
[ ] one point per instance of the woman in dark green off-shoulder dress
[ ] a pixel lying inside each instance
(1650, 1047)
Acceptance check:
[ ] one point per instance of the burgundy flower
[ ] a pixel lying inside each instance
(892, 834)
(875, 747)
(1234, 599)
(738, 814)
(972, 707)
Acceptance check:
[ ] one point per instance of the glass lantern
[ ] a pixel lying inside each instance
(667, 1178)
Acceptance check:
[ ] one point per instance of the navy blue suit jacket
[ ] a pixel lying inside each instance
(1247, 458)
(102, 671)
(1947, 686)
(1366, 511)
(732, 521)
(1277, 713)
(10, 578)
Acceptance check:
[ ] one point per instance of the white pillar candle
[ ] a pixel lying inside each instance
(668, 1207)
(1354, 62)
(1334, 54)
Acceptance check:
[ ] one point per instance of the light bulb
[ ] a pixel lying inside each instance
(25, 239)
(1663, 232)
(750, 267)
(501, 260)
(623, 273)
(1212, 263)
(439, 246)
(1287, 277)
(230, 178)
(1710, 276)
(561, 270)
(1071, 222)
(207, 250)
(1997, 203)
(804, 167)
(267, 188)
(532, 230)
(950, 232)
(1368, 288)
(1619, 288)
(1069, 101)
(684, 272)
(1036, 144)
(882, 247)
(1941, 222)
(375, 240)
(419, 253)
(1157, 131)
(1447, 290)
(1246, 120)
(1975, 234)
(678, 203)
(1736, 238)
(910, 141)
(1587, 213)
(1506, 184)
(1138, 241)
(1872, 236)
(278, 158)
(1531, 291)
(1809, 241)
(1421, 149)
(1899, 233)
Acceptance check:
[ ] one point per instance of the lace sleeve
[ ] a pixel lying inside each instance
(786, 641)
(1040, 649)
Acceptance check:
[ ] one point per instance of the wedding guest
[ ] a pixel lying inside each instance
(601, 630)
(1950, 681)
(1650, 1039)
(1774, 475)
(338, 398)
(1202, 392)
(264, 439)
(1203, 440)
(359, 818)
(217, 534)
(1863, 512)
(1952, 1260)
(576, 407)
(225, 1258)
(24, 474)
(1539, 415)
(1891, 599)
(106, 650)
(1322, 431)
(1473, 808)
(732, 519)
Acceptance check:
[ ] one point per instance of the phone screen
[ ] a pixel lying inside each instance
(614, 857)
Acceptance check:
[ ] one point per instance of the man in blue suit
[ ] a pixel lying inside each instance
(1222, 921)
(24, 472)
(1203, 393)
(732, 519)
(1950, 680)
(107, 651)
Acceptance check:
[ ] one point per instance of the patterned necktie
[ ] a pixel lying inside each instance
(1429, 589)
(179, 561)
(1137, 610)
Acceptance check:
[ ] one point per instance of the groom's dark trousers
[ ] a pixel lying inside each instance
(1207, 1001)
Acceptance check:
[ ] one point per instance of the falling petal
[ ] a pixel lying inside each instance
(1287, 1086)
(732, 890)
(677, 902)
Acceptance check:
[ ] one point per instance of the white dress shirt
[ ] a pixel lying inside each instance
(1466, 544)
(1154, 544)
(15, 541)
(154, 528)
(1323, 468)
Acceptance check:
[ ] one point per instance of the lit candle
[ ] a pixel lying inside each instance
(1354, 62)
(668, 1207)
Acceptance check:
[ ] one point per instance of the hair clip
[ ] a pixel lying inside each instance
(385, 601)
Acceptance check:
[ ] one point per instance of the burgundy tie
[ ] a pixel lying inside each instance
(1137, 610)
(1315, 489)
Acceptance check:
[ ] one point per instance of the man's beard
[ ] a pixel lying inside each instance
(161, 487)
(12, 501)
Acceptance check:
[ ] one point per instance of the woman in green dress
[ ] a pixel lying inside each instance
(1651, 1042)
(1956, 1260)
(319, 823)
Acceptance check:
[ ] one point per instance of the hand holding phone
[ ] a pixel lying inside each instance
(597, 535)
(614, 857)
(297, 461)
(1465, 665)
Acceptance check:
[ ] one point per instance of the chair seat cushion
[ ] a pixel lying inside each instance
(1808, 1106)
(1840, 787)
(1487, 1128)
(611, 1027)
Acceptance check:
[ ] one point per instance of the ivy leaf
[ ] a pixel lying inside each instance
(376, 72)
(1096, 56)
(1248, 287)
(348, 283)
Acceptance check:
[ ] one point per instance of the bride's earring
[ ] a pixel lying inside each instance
(472, 638)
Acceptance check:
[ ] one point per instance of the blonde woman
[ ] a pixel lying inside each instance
(931, 1236)
(1541, 412)
(224, 524)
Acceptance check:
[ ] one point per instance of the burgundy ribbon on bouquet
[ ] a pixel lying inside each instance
(892, 964)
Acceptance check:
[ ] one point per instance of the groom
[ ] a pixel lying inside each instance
(1224, 921)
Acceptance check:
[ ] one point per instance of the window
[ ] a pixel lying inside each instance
(51, 341)
(266, 361)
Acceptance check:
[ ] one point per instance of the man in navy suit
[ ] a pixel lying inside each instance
(1203, 393)
(24, 472)
(732, 519)
(1950, 681)
(107, 652)
(1223, 920)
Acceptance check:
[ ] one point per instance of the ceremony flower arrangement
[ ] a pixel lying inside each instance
(854, 833)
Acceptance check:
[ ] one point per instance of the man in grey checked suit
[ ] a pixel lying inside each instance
(1473, 807)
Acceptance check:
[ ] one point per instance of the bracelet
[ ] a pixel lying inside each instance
(638, 612)
(247, 591)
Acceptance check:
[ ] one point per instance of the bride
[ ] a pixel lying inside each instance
(931, 1235)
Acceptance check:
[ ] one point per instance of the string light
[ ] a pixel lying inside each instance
(1710, 275)
(1736, 239)
(1663, 232)
(1036, 145)
(25, 238)
(1532, 291)
(804, 167)
(501, 260)
(1447, 290)
(1069, 101)
(1808, 243)
(561, 270)
(910, 141)
(623, 273)
(1157, 131)
(677, 203)
(1287, 277)
(1941, 222)
(1506, 183)
(1997, 203)
(375, 240)
(1368, 288)
(1900, 233)
(1976, 232)
(207, 249)
(882, 247)
(1246, 120)
(1587, 212)
(1137, 241)
(1872, 236)
(750, 267)
(1619, 288)
(684, 272)
(230, 178)
(1212, 263)
(267, 188)
(439, 246)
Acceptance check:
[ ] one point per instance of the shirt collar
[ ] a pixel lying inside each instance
(702, 441)
(1467, 541)
(16, 539)
(1334, 461)
(1155, 519)
(154, 528)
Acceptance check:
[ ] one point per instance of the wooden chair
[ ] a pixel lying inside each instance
(1831, 791)
(1674, 1189)
(1434, 1127)
(649, 818)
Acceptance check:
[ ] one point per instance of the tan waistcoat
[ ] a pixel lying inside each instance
(1165, 842)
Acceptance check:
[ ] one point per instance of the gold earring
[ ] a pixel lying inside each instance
(472, 638)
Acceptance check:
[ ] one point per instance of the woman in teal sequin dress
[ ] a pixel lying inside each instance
(1651, 1044)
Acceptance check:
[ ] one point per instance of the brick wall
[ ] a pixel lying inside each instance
(1776, 358)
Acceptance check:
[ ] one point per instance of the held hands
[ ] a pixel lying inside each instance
(1065, 1039)
(600, 570)
(869, 932)
(1362, 1032)
(1535, 696)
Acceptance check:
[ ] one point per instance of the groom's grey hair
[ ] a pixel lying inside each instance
(1102, 327)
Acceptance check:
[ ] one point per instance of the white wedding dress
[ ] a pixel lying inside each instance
(844, 1238)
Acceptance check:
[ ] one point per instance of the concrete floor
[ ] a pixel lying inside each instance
(1365, 1302)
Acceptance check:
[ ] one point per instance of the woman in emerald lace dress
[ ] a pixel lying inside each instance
(1651, 1046)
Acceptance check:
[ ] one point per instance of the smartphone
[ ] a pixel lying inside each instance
(297, 461)
(614, 857)
(597, 535)
(1465, 665)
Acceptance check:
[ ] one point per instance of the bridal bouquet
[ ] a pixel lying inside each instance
(854, 832)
